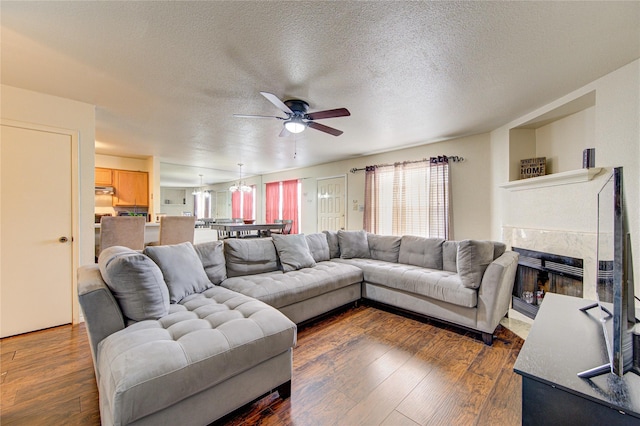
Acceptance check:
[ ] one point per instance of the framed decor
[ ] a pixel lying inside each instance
(532, 167)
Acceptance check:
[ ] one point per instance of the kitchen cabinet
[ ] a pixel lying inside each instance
(104, 177)
(132, 188)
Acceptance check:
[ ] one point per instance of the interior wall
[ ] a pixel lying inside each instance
(40, 109)
(470, 194)
(615, 134)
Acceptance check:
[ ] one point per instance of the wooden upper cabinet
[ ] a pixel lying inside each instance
(104, 177)
(132, 188)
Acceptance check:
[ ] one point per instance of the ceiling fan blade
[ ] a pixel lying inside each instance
(330, 113)
(257, 116)
(284, 132)
(323, 128)
(277, 102)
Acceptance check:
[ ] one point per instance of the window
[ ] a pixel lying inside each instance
(283, 202)
(410, 198)
(243, 204)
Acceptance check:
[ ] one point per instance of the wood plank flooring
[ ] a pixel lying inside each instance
(361, 366)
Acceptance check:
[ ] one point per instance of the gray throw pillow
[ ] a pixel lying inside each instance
(136, 282)
(353, 244)
(182, 270)
(318, 246)
(472, 260)
(293, 251)
(211, 255)
(334, 245)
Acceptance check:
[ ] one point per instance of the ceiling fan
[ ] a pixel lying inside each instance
(298, 118)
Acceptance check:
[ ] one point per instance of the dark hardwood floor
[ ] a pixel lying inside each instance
(361, 366)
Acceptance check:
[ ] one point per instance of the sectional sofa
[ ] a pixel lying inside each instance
(185, 334)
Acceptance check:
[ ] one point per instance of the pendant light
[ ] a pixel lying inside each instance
(240, 185)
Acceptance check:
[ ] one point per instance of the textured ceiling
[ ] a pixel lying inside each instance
(166, 77)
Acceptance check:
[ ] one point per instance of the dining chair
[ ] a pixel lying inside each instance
(176, 229)
(286, 228)
(127, 231)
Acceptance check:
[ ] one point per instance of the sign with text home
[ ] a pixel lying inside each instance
(532, 167)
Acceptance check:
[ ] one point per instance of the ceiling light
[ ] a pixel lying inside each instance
(240, 185)
(198, 191)
(295, 125)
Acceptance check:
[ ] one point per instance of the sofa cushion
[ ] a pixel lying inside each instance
(182, 269)
(279, 289)
(136, 283)
(473, 258)
(384, 247)
(498, 249)
(421, 251)
(353, 244)
(248, 257)
(334, 244)
(293, 252)
(449, 256)
(416, 280)
(211, 255)
(208, 338)
(318, 246)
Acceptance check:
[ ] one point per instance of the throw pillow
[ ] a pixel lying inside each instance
(334, 245)
(353, 244)
(318, 246)
(293, 251)
(472, 260)
(211, 255)
(136, 282)
(182, 270)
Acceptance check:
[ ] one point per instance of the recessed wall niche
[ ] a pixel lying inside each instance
(560, 135)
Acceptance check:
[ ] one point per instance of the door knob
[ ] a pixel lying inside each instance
(63, 239)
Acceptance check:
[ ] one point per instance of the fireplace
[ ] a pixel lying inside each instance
(539, 273)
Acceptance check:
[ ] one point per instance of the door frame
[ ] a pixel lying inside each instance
(75, 202)
(344, 202)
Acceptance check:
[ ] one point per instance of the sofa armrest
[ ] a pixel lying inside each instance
(494, 293)
(102, 314)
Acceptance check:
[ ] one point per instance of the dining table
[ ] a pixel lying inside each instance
(238, 230)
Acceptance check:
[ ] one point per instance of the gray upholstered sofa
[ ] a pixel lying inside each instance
(466, 283)
(185, 334)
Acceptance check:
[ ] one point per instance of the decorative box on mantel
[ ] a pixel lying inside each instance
(533, 167)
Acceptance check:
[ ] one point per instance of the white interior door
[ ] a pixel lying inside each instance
(36, 251)
(223, 205)
(331, 204)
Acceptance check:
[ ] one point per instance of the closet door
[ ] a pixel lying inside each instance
(36, 250)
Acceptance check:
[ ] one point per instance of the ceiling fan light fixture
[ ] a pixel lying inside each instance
(295, 125)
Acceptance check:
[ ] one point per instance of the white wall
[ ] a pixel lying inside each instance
(40, 109)
(470, 193)
(614, 133)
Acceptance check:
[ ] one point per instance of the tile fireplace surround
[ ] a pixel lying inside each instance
(565, 243)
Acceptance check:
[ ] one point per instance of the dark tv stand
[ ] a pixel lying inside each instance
(562, 342)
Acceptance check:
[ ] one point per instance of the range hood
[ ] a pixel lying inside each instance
(105, 190)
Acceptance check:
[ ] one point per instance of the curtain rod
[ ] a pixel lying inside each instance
(439, 159)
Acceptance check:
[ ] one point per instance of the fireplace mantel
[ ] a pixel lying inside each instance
(554, 179)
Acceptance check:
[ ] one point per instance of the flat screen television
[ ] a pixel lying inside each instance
(614, 286)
